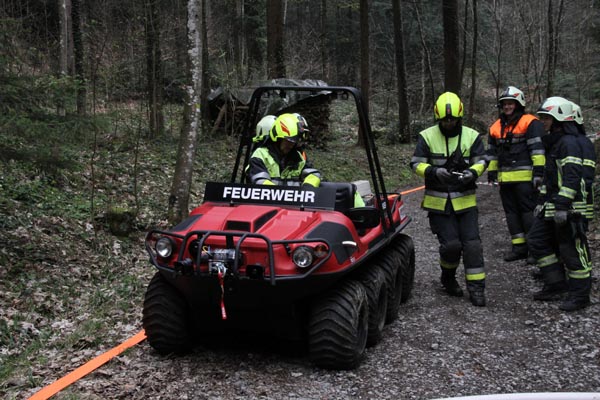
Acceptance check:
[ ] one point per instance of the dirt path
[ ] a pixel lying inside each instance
(440, 347)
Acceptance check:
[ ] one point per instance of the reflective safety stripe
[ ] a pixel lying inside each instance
(449, 265)
(519, 238)
(474, 277)
(312, 180)
(464, 202)
(538, 160)
(516, 176)
(547, 260)
(434, 202)
(420, 169)
(567, 192)
(493, 164)
(571, 160)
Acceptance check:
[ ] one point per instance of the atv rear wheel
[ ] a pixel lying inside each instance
(338, 327)
(390, 263)
(165, 318)
(374, 282)
(406, 249)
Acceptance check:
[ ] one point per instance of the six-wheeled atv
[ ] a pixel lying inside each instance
(283, 260)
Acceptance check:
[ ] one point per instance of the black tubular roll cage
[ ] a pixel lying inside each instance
(252, 118)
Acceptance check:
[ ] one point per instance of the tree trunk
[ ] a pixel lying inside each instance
(252, 26)
(365, 79)
(182, 177)
(553, 36)
(451, 46)
(324, 47)
(472, 98)
(403, 110)
(64, 19)
(275, 55)
(78, 56)
(426, 56)
(154, 69)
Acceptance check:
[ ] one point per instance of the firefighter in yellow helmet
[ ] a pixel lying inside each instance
(451, 157)
(278, 161)
(516, 162)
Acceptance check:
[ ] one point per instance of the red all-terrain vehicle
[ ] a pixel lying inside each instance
(284, 260)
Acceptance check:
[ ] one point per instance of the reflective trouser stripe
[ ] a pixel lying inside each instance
(519, 238)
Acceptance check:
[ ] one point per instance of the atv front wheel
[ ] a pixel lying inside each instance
(374, 282)
(165, 318)
(338, 327)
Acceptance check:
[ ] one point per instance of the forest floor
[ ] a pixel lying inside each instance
(440, 346)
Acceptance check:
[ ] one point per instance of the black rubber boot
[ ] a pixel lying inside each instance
(476, 293)
(531, 260)
(579, 295)
(574, 303)
(477, 298)
(517, 253)
(551, 292)
(450, 284)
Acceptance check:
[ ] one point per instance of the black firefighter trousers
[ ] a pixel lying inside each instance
(558, 247)
(518, 201)
(458, 234)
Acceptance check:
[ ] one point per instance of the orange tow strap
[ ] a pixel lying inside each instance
(412, 190)
(88, 367)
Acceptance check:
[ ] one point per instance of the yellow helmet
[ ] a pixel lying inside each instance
(448, 105)
(287, 127)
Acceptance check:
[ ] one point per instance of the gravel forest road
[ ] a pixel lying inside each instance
(439, 347)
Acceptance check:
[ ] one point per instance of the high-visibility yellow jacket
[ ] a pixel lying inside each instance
(434, 150)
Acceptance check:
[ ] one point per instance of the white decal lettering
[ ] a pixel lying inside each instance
(226, 191)
(310, 197)
(265, 194)
(289, 195)
(235, 193)
(255, 194)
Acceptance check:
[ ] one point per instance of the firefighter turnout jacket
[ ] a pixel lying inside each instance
(456, 154)
(515, 148)
(268, 166)
(571, 159)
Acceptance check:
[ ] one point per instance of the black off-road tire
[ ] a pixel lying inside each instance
(338, 327)
(406, 249)
(389, 261)
(374, 282)
(165, 318)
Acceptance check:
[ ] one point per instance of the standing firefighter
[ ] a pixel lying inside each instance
(516, 161)
(451, 157)
(558, 236)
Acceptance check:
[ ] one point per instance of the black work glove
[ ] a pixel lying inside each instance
(443, 175)
(537, 182)
(467, 176)
(492, 177)
(560, 217)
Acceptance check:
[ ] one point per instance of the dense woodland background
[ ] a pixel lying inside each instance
(79, 67)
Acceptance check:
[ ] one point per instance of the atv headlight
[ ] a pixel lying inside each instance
(164, 247)
(303, 256)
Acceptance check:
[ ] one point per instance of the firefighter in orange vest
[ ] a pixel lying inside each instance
(516, 161)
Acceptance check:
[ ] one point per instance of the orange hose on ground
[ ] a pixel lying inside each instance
(57, 386)
(412, 190)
